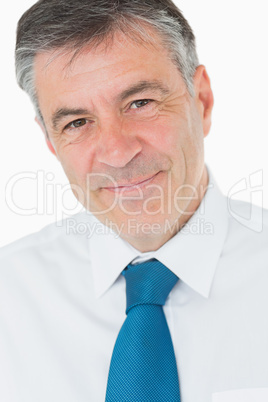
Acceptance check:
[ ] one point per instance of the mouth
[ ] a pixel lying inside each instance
(131, 186)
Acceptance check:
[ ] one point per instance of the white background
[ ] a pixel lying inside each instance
(231, 42)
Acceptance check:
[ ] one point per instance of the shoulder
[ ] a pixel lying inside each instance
(251, 219)
(44, 270)
(247, 231)
(59, 237)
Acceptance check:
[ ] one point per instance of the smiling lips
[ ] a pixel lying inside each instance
(131, 186)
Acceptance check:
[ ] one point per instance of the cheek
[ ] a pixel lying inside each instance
(166, 137)
(76, 160)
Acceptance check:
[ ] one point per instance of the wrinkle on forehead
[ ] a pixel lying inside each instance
(117, 39)
(61, 60)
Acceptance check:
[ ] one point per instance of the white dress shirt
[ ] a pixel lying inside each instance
(62, 303)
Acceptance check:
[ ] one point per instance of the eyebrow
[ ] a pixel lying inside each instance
(143, 86)
(64, 112)
(139, 87)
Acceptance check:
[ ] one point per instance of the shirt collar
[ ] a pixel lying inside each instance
(109, 255)
(192, 254)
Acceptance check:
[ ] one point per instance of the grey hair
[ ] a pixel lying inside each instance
(55, 24)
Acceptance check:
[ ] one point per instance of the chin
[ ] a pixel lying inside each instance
(146, 227)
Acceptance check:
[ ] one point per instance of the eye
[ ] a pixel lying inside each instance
(140, 103)
(76, 123)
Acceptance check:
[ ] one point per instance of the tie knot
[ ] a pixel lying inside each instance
(148, 283)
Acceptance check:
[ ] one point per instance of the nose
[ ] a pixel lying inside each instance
(117, 146)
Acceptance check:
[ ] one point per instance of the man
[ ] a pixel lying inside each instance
(125, 106)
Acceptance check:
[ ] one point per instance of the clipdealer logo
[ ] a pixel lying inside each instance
(55, 199)
(250, 188)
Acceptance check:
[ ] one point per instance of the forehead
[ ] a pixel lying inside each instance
(115, 50)
(103, 70)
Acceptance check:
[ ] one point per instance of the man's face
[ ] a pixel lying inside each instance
(127, 133)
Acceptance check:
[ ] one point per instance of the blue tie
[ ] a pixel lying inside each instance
(143, 366)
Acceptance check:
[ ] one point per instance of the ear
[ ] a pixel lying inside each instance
(203, 97)
(49, 144)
